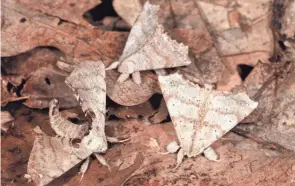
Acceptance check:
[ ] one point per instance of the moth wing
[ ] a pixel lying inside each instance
(201, 116)
(148, 47)
(144, 27)
(182, 100)
(88, 83)
(221, 112)
(51, 157)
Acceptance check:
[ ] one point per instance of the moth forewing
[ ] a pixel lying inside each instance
(159, 52)
(53, 156)
(148, 47)
(202, 116)
(88, 81)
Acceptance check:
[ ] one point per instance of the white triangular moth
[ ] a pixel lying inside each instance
(149, 48)
(53, 156)
(201, 116)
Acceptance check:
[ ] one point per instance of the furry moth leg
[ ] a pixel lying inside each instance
(84, 167)
(136, 77)
(116, 140)
(210, 154)
(122, 78)
(102, 160)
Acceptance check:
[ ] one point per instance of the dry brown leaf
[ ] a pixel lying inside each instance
(161, 114)
(141, 111)
(128, 10)
(190, 28)
(37, 78)
(20, 67)
(8, 93)
(66, 10)
(17, 144)
(284, 13)
(77, 43)
(273, 86)
(242, 34)
(129, 93)
(280, 126)
(260, 86)
(6, 119)
(46, 84)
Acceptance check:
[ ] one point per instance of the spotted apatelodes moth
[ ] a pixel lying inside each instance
(53, 156)
(201, 116)
(148, 47)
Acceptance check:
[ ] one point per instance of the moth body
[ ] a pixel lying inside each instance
(201, 116)
(148, 47)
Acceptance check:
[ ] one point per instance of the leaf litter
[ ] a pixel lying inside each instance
(240, 55)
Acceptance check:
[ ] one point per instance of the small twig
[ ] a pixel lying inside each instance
(266, 144)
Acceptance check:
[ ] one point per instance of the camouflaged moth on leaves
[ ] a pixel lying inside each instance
(201, 116)
(53, 156)
(149, 48)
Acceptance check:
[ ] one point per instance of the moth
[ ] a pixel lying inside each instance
(148, 47)
(53, 156)
(201, 116)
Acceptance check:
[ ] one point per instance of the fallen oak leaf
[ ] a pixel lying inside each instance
(38, 29)
(6, 119)
(161, 114)
(137, 52)
(142, 111)
(129, 93)
(46, 84)
(189, 28)
(119, 177)
(241, 35)
(205, 115)
(7, 94)
(21, 66)
(69, 10)
(34, 76)
(128, 10)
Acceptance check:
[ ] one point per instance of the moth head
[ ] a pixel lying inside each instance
(127, 67)
(95, 141)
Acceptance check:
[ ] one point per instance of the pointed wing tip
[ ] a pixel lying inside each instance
(148, 5)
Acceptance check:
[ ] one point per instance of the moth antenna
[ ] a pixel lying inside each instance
(180, 156)
(102, 160)
(84, 167)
